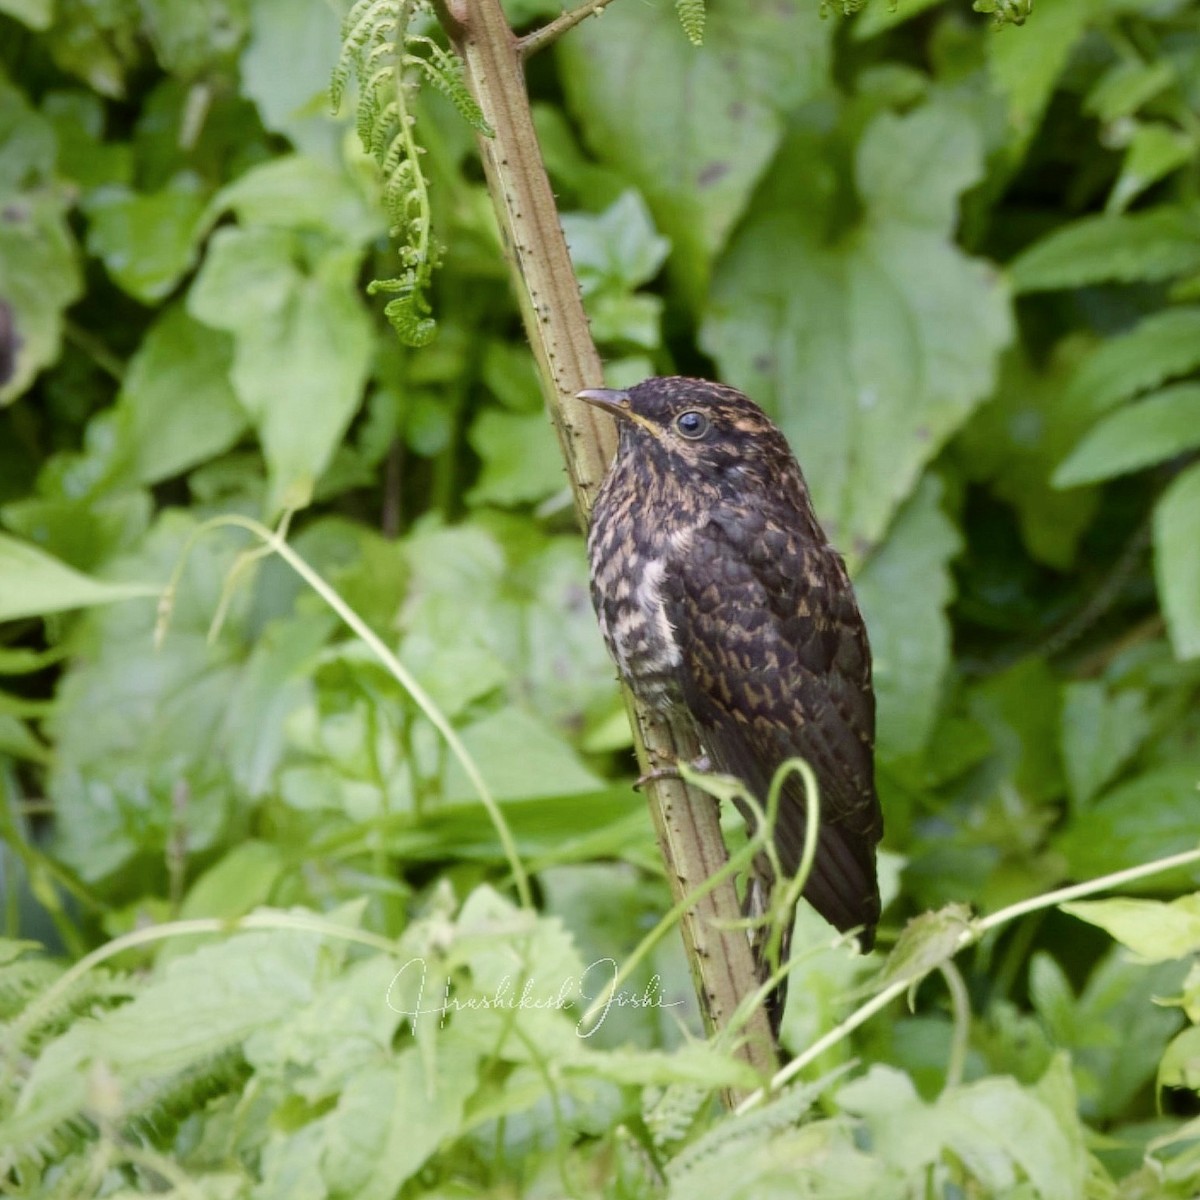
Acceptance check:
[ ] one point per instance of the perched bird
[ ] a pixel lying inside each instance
(727, 611)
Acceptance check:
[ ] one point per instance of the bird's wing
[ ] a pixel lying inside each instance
(775, 664)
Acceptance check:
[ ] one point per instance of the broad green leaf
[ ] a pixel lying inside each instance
(1161, 346)
(871, 350)
(1177, 561)
(1020, 709)
(1003, 1132)
(196, 37)
(390, 1119)
(33, 584)
(84, 155)
(1156, 150)
(154, 743)
(1100, 731)
(903, 590)
(285, 70)
(34, 13)
(148, 241)
(1026, 66)
(693, 128)
(1119, 995)
(520, 759)
(176, 407)
(1149, 817)
(617, 248)
(875, 18)
(28, 141)
(302, 345)
(1159, 426)
(83, 531)
(1126, 86)
(1153, 930)
(521, 458)
(237, 883)
(39, 278)
(18, 741)
(204, 1004)
(1015, 441)
(1180, 1066)
(1160, 243)
(298, 192)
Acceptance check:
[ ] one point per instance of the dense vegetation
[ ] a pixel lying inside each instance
(959, 260)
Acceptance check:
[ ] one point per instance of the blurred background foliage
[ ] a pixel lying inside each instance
(959, 264)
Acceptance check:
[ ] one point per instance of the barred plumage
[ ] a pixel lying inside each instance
(725, 607)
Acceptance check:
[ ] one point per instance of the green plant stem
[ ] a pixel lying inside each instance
(273, 541)
(968, 937)
(960, 1007)
(686, 820)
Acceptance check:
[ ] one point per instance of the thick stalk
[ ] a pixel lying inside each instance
(686, 820)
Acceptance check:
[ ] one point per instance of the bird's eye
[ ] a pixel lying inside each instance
(692, 424)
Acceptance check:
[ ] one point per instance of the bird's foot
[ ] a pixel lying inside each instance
(700, 763)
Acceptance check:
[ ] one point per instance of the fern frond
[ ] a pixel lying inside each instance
(691, 15)
(161, 1109)
(754, 1127)
(386, 49)
(444, 70)
(671, 1114)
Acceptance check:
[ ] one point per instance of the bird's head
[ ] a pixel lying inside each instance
(694, 428)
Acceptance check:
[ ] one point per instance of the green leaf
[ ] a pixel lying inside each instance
(520, 759)
(33, 584)
(196, 37)
(617, 248)
(238, 882)
(925, 943)
(176, 407)
(1025, 67)
(1126, 86)
(1180, 1066)
(1153, 930)
(695, 162)
(1155, 151)
(148, 241)
(34, 13)
(1147, 818)
(39, 278)
(903, 590)
(298, 192)
(1017, 439)
(28, 141)
(204, 1004)
(1100, 732)
(285, 69)
(302, 345)
(1110, 1068)
(1159, 426)
(1163, 345)
(872, 350)
(1161, 243)
(1176, 563)
(522, 462)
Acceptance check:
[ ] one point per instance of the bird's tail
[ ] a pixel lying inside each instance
(755, 906)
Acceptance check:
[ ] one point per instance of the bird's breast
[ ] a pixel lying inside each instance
(631, 551)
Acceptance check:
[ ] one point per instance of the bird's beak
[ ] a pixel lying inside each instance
(616, 404)
(612, 401)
